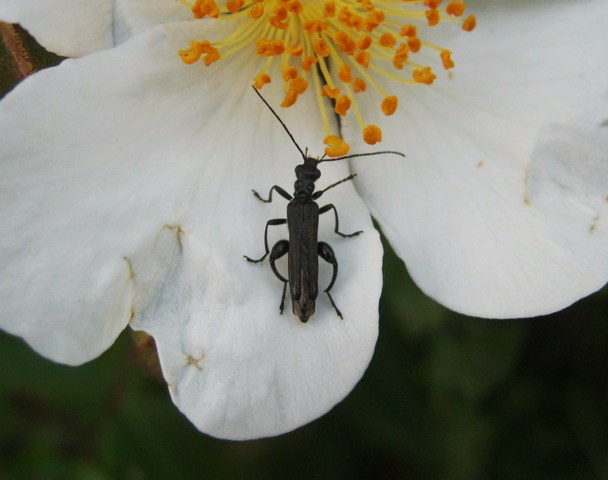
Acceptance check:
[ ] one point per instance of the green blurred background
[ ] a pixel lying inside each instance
(445, 397)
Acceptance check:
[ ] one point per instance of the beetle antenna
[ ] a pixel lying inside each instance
(362, 155)
(280, 121)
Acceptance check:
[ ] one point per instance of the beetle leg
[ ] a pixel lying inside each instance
(331, 206)
(327, 253)
(276, 221)
(280, 248)
(278, 189)
(316, 195)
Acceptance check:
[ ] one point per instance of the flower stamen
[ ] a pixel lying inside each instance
(343, 44)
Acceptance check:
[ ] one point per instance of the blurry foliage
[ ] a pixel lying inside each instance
(445, 397)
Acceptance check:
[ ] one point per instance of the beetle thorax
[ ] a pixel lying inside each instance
(306, 176)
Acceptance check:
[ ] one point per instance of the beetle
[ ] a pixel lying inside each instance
(303, 247)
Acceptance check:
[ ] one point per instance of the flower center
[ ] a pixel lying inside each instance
(337, 46)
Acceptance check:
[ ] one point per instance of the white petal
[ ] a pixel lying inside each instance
(139, 184)
(67, 27)
(499, 209)
(132, 17)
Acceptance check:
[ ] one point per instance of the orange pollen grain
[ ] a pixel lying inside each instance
(269, 48)
(256, 11)
(362, 58)
(193, 53)
(372, 134)
(321, 48)
(389, 105)
(299, 84)
(432, 17)
(342, 105)
(211, 57)
(290, 98)
(387, 40)
(415, 44)
(336, 147)
(329, 9)
(359, 85)
(364, 42)
(261, 79)
(469, 23)
(296, 50)
(400, 56)
(456, 9)
(344, 42)
(234, 5)
(308, 62)
(408, 30)
(344, 74)
(424, 75)
(446, 59)
(330, 92)
(290, 73)
(203, 8)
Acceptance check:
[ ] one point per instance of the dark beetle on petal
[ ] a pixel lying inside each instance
(303, 247)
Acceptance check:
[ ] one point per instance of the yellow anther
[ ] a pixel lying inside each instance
(342, 105)
(357, 22)
(432, 3)
(336, 147)
(456, 9)
(375, 18)
(269, 48)
(278, 47)
(359, 85)
(344, 74)
(343, 15)
(446, 59)
(295, 6)
(296, 50)
(469, 23)
(299, 84)
(330, 92)
(315, 26)
(290, 73)
(256, 11)
(308, 62)
(432, 17)
(344, 42)
(280, 12)
(275, 22)
(364, 42)
(389, 105)
(362, 58)
(191, 55)
(203, 8)
(234, 5)
(321, 48)
(387, 40)
(408, 30)
(329, 9)
(372, 134)
(400, 56)
(424, 75)
(290, 98)
(414, 43)
(261, 79)
(211, 57)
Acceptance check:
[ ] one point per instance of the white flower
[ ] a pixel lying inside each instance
(126, 182)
